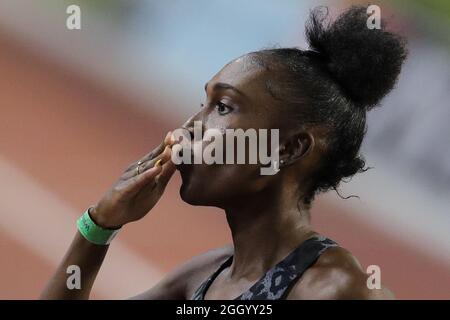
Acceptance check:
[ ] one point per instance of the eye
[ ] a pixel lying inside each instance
(223, 109)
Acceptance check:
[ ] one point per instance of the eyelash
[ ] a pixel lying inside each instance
(223, 105)
(220, 105)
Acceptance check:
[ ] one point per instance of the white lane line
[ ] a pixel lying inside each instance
(39, 220)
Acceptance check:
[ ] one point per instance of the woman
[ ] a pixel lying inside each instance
(318, 98)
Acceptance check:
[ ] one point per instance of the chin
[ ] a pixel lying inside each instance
(199, 189)
(191, 191)
(198, 196)
(189, 196)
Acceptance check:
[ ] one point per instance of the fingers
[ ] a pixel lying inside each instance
(163, 178)
(168, 141)
(164, 157)
(157, 185)
(156, 176)
(157, 151)
(135, 184)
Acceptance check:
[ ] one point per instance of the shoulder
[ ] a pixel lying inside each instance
(182, 281)
(337, 274)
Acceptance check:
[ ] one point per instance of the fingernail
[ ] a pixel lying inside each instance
(172, 137)
(167, 149)
(167, 137)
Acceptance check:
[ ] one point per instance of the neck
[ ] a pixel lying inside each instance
(265, 231)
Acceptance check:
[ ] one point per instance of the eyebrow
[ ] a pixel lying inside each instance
(224, 86)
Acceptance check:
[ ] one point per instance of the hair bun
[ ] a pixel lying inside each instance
(364, 62)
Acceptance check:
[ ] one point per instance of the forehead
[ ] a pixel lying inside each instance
(246, 73)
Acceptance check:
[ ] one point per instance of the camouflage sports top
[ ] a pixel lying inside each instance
(276, 283)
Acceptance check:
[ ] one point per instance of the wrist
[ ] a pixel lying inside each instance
(93, 232)
(100, 220)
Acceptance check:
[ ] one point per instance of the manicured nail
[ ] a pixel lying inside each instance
(170, 139)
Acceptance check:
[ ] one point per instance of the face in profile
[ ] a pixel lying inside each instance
(317, 99)
(235, 99)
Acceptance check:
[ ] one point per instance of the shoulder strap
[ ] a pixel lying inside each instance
(277, 282)
(201, 291)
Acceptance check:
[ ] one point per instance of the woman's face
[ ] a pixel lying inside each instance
(236, 98)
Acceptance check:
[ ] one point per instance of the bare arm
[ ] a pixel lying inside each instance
(184, 280)
(89, 257)
(130, 199)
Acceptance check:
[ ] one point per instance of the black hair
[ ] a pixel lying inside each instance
(348, 69)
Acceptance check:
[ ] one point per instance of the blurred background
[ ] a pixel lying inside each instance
(77, 106)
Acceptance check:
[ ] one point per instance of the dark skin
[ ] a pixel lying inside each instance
(255, 206)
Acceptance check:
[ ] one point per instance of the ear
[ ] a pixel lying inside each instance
(295, 147)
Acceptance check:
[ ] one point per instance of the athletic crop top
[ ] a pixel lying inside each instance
(276, 283)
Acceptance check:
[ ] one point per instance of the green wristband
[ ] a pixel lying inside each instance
(94, 233)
